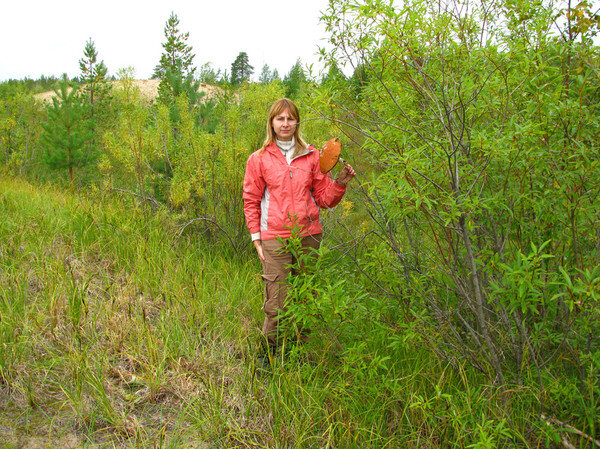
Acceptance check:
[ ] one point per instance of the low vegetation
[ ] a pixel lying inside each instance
(117, 329)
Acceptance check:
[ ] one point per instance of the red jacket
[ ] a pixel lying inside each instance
(278, 196)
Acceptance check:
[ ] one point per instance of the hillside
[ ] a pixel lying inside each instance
(148, 89)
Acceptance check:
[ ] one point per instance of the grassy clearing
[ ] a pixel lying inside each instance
(112, 335)
(109, 331)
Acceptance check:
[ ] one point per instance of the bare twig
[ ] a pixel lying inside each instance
(556, 422)
(208, 220)
(146, 198)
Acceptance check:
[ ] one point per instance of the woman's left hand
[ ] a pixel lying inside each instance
(345, 175)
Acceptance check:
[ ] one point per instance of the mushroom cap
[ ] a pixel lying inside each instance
(329, 155)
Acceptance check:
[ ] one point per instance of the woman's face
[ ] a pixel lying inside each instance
(284, 125)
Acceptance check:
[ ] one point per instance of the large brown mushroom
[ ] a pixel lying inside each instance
(330, 154)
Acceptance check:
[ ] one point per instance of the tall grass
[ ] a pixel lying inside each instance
(115, 332)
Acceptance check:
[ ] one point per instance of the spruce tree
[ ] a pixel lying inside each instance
(294, 80)
(66, 132)
(241, 70)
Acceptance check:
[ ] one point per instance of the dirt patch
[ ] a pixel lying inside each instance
(148, 89)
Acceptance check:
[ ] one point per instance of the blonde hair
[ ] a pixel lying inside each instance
(277, 108)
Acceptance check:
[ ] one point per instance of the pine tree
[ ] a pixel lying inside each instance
(177, 55)
(188, 87)
(66, 132)
(96, 90)
(241, 70)
(176, 60)
(93, 73)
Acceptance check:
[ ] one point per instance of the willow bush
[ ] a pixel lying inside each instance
(480, 124)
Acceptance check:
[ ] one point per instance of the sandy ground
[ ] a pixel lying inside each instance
(148, 89)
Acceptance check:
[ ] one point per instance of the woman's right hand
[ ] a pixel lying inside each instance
(345, 175)
(259, 250)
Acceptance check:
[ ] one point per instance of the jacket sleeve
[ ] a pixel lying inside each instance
(254, 187)
(326, 192)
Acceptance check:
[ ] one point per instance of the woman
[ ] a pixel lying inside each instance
(283, 191)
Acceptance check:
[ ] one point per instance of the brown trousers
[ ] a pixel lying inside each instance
(276, 267)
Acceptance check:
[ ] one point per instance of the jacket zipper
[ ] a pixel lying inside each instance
(291, 177)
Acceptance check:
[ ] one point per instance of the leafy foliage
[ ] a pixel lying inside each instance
(207, 74)
(130, 146)
(267, 76)
(20, 127)
(482, 181)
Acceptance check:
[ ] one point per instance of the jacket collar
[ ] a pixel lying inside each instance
(274, 149)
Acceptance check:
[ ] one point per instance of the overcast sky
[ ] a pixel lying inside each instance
(47, 37)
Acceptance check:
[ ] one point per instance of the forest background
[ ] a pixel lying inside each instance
(455, 301)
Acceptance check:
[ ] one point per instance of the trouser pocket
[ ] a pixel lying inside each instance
(274, 294)
(275, 291)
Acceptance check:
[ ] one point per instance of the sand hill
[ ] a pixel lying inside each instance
(148, 89)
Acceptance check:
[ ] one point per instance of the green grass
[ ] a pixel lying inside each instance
(115, 333)
(109, 331)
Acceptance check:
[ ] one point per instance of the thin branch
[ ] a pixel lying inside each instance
(555, 421)
(143, 197)
(206, 219)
